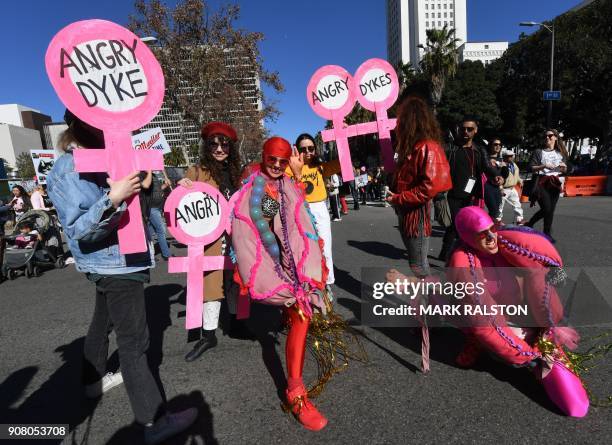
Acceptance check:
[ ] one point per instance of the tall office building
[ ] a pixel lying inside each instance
(407, 21)
(181, 133)
(21, 130)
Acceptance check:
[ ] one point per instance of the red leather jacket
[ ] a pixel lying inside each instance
(422, 175)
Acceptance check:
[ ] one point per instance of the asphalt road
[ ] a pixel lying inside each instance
(236, 385)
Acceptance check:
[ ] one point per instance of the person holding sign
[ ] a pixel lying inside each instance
(312, 172)
(280, 261)
(422, 173)
(219, 167)
(90, 207)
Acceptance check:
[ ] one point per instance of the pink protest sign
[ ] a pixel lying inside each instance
(110, 79)
(196, 216)
(377, 90)
(331, 94)
(375, 86)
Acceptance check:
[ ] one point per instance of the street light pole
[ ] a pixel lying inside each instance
(550, 28)
(552, 67)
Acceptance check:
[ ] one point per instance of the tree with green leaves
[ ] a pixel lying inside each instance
(212, 70)
(471, 92)
(583, 73)
(439, 62)
(175, 158)
(25, 166)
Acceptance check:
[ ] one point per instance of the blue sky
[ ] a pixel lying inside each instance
(300, 37)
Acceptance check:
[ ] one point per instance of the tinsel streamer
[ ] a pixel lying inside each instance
(577, 362)
(333, 343)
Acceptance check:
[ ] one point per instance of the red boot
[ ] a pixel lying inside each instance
(304, 410)
(468, 356)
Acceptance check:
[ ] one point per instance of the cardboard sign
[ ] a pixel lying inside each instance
(332, 93)
(43, 161)
(196, 216)
(361, 180)
(152, 139)
(111, 80)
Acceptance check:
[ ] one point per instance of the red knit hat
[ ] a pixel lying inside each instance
(277, 146)
(221, 128)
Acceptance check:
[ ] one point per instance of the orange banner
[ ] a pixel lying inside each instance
(585, 185)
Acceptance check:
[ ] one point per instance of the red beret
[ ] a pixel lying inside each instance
(277, 146)
(221, 128)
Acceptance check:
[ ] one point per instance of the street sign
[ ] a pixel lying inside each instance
(552, 95)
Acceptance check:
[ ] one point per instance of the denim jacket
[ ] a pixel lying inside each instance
(90, 222)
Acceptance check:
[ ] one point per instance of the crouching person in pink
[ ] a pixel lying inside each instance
(516, 265)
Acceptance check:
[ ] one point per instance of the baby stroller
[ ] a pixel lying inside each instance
(46, 252)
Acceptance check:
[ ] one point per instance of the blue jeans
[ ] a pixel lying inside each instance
(156, 224)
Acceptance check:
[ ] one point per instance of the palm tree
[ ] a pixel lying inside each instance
(439, 62)
(406, 74)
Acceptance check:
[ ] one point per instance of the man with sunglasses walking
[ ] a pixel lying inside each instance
(468, 162)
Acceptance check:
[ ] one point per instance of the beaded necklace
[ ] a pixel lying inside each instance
(267, 236)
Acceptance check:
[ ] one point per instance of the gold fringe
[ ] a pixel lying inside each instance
(333, 343)
(577, 361)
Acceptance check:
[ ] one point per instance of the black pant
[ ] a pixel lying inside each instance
(454, 204)
(354, 194)
(547, 199)
(120, 306)
(334, 204)
(493, 199)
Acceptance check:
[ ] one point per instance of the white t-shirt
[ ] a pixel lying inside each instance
(554, 158)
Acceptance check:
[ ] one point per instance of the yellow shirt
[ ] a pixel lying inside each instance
(314, 179)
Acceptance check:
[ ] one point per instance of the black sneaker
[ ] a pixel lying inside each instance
(169, 425)
(201, 347)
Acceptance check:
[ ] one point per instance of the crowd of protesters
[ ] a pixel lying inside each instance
(428, 176)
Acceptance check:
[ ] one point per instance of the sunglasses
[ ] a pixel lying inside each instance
(486, 233)
(272, 160)
(496, 144)
(225, 145)
(550, 135)
(468, 129)
(309, 149)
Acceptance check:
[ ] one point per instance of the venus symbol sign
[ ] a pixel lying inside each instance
(111, 80)
(331, 95)
(377, 89)
(196, 216)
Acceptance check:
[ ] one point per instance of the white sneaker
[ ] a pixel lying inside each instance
(169, 425)
(337, 219)
(108, 382)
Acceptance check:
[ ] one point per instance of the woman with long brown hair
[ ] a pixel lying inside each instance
(219, 166)
(547, 164)
(422, 173)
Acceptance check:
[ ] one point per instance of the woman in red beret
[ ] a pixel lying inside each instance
(280, 260)
(219, 166)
